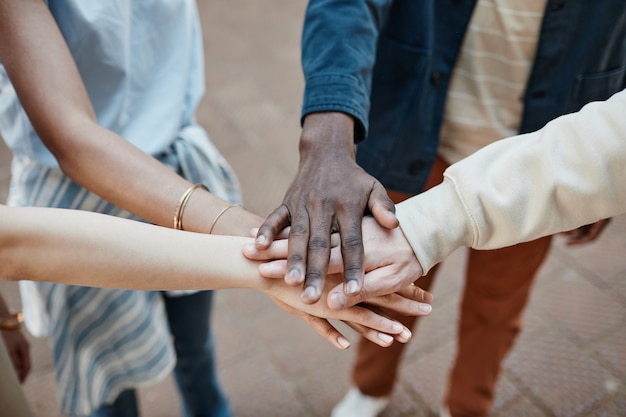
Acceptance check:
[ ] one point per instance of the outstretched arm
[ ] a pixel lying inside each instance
(49, 86)
(570, 173)
(59, 245)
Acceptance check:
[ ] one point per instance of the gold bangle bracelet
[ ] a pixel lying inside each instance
(13, 322)
(180, 207)
(224, 210)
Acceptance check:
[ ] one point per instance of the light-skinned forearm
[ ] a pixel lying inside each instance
(51, 91)
(82, 248)
(90, 249)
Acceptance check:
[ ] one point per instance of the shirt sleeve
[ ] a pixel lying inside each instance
(570, 173)
(339, 42)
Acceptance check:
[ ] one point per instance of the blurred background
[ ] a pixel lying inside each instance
(570, 359)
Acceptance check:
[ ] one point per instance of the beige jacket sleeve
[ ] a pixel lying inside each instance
(570, 173)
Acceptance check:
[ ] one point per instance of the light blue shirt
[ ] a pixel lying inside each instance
(141, 62)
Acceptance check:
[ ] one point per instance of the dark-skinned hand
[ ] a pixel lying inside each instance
(330, 193)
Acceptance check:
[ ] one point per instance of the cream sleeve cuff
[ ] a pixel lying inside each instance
(435, 223)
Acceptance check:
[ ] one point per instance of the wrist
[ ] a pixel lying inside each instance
(206, 213)
(264, 285)
(327, 133)
(234, 220)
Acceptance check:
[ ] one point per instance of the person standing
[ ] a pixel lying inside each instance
(423, 84)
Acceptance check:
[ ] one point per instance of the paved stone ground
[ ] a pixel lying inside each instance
(570, 360)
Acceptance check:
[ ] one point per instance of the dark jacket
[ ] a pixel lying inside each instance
(388, 64)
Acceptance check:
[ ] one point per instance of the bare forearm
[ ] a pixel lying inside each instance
(50, 88)
(106, 163)
(82, 248)
(90, 249)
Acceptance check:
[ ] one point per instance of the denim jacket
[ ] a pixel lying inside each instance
(389, 63)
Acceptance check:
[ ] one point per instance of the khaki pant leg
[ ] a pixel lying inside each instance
(376, 368)
(498, 284)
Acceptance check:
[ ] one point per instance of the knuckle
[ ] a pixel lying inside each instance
(319, 243)
(364, 294)
(374, 321)
(350, 208)
(352, 269)
(313, 275)
(328, 332)
(295, 258)
(364, 315)
(351, 242)
(298, 229)
(279, 213)
(387, 298)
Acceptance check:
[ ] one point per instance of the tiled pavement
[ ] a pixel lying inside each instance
(570, 360)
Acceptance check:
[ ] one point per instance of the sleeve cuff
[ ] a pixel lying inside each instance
(435, 223)
(337, 92)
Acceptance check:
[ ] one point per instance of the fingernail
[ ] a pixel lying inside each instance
(309, 293)
(385, 337)
(425, 308)
(397, 327)
(406, 334)
(261, 240)
(343, 342)
(294, 277)
(249, 247)
(337, 300)
(352, 287)
(266, 270)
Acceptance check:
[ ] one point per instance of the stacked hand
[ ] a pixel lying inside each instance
(390, 270)
(329, 194)
(327, 198)
(366, 319)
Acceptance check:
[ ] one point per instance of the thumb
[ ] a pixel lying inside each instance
(382, 207)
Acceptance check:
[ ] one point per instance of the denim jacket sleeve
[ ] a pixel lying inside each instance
(338, 54)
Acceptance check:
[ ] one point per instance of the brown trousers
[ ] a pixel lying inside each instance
(498, 283)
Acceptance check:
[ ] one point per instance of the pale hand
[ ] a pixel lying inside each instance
(365, 319)
(390, 264)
